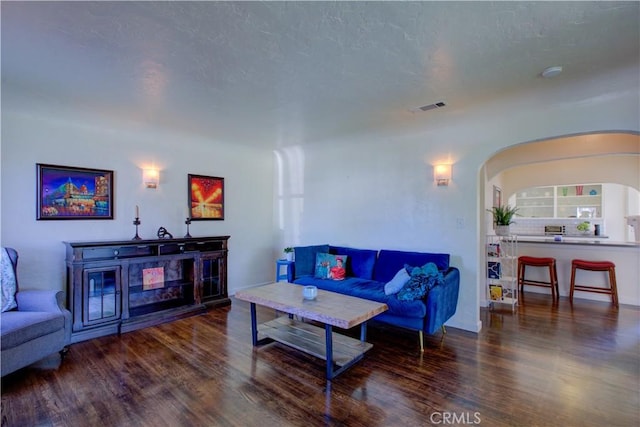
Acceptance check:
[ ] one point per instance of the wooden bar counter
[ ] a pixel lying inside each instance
(625, 255)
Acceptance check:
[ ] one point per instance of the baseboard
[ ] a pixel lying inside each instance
(466, 326)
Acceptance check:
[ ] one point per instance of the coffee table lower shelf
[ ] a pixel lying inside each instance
(316, 341)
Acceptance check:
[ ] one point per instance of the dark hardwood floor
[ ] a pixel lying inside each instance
(543, 366)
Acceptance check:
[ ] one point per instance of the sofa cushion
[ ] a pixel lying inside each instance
(361, 261)
(371, 290)
(390, 261)
(399, 280)
(306, 259)
(330, 267)
(18, 327)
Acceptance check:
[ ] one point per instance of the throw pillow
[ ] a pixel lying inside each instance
(361, 261)
(8, 279)
(305, 257)
(427, 269)
(422, 280)
(332, 267)
(398, 281)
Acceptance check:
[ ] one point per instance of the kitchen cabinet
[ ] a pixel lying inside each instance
(561, 201)
(536, 202)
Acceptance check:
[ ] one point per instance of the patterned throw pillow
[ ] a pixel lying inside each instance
(8, 281)
(331, 267)
(422, 280)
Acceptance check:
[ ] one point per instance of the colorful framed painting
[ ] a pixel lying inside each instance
(206, 198)
(497, 197)
(66, 192)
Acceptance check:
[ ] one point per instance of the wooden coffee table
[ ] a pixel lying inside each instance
(329, 308)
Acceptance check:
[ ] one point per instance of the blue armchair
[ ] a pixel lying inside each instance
(38, 327)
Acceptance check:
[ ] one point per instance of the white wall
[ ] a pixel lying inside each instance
(623, 169)
(73, 138)
(616, 208)
(377, 191)
(372, 193)
(633, 207)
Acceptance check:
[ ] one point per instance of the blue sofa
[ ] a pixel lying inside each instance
(367, 272)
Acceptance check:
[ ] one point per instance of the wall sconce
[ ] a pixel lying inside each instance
(442, 174)
(151, 177)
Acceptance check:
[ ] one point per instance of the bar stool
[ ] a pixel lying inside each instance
(530, 261)
(608, 266)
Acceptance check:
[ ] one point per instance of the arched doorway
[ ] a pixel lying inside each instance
(602, 157)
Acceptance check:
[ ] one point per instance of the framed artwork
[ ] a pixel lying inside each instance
(493, 268)
(497, 196)
(152, 278)
(495, 292)
(206, 198)
(66, 192)
(493, 250)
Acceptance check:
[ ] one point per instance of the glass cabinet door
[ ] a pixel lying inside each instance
(101, 295)
(211, 270)
(536, 202)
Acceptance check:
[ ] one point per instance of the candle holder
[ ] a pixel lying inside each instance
(188, 222)
(136, 222)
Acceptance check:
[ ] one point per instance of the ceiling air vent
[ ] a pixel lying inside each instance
(432, 106)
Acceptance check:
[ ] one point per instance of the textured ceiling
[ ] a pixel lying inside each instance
(294, 72)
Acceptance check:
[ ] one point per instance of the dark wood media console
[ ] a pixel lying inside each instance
(121, 286)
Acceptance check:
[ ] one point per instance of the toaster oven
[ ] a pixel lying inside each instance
(552, 230)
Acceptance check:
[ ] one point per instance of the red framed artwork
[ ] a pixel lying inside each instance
(66, 192)
(206, 198)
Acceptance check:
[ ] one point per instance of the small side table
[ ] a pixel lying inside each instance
(288, 274)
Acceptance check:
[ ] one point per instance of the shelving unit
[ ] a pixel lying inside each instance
(581, 201)
(502, 270)
(536, 202)
(120, 286)
(561, 201)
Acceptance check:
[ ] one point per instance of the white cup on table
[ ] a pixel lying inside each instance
(309, 292)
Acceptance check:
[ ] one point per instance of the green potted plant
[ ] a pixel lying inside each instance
(502, 218)
(584, 227)
(288, 253)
